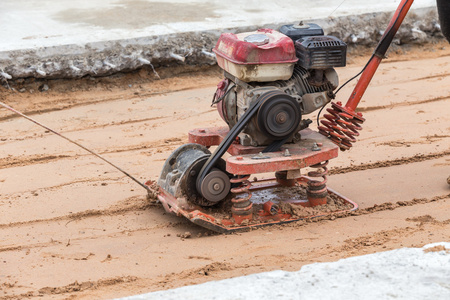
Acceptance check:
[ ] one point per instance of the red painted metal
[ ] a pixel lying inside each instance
(363, 83)
(261, 217)
(291, 157)
(213, 136)
(271, 208)
(279, 49)
(341, 125)
(243, 161)
(208, 136)
(298, 159)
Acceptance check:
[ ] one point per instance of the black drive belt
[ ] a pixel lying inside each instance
(231, 136)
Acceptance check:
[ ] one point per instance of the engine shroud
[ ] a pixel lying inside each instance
(263, 55)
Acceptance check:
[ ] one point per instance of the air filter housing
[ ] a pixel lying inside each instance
(321, 52)
(298, 31)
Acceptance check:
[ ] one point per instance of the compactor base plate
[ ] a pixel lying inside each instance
(289, 202)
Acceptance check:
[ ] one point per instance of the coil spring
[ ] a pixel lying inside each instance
(316, 191)
(321, 171)
(242, 205)
(341, 126)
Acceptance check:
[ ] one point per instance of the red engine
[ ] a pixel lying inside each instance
(293, 70)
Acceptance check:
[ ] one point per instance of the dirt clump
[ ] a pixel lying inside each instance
(334, 205)
(437, 248)
(211, 268)
(185, 235)
(422, 219)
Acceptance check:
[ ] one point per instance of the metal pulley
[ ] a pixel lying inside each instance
(279, 115)
(215, 186)
(180, 172)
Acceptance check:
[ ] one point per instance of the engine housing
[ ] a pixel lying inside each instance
(309, 86)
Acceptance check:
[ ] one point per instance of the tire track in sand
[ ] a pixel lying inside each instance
(389, 163)
(90, 127)
(405, 103)
(135, 203)
(73, 287)
(26, 160)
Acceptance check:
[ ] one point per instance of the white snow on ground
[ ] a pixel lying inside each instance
(407, 273)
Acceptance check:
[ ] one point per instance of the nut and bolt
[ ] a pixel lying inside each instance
(315, 147)
(260, 156)
(281, 118)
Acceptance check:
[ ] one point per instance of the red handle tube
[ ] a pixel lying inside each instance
(379, 53)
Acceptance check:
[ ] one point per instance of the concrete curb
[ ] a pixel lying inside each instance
(193, 48)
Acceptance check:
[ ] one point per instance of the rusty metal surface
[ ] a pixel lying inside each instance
(267, 215)
(242, 208)
(212, 136)
(234, 48)
(208, 136)
(291, 157)
(317, 190)
(342, 125)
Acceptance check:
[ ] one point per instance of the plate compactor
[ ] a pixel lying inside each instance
(272, 80)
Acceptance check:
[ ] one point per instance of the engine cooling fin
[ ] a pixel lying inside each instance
(300, 76)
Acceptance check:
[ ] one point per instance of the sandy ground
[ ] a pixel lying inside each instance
(72, 227)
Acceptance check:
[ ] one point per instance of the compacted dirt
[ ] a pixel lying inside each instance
(73, 227)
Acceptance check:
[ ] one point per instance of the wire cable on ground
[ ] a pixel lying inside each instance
(76, 143)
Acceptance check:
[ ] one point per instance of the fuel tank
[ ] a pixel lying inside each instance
(264, 55)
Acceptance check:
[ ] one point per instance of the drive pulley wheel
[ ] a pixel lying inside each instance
(215, 186)
(279, 115)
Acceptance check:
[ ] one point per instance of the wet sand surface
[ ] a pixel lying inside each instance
(73, 227)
